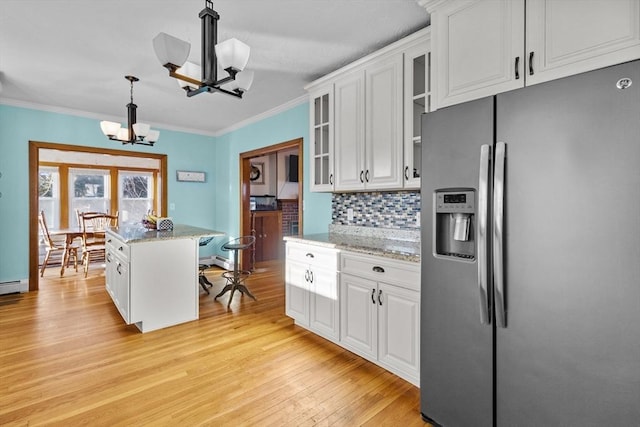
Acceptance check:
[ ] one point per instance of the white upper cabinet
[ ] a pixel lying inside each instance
(383, 130)
(566, 37)
(368, 119)
(479, 45)
(349, 131)
(368, 127)
(321, 134)
(477, 49)
(417, 100)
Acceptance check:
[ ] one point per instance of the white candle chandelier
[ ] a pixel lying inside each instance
(134, 133)
(230, 55)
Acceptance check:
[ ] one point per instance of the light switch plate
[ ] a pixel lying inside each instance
(191, 176)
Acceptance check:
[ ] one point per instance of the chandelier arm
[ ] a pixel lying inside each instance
(184, 78)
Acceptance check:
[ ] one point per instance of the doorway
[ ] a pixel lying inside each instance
(246, 175)
(35, 148)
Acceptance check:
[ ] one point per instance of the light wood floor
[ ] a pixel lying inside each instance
(67, 358)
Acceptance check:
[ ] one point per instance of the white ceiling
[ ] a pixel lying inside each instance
(74, 54)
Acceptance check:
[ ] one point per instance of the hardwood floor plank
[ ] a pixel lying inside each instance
(67, 358)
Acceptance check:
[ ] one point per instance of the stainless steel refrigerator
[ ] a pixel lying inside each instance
(531, 256)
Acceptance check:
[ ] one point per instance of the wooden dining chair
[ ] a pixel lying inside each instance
(56, 246)
(94, 226)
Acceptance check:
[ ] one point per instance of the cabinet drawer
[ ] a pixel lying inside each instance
(118, 247)
(315, 256)
(392, 271)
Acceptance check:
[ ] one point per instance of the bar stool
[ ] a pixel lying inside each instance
(235, 279)
(202, 279)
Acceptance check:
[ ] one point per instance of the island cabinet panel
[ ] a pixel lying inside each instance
(152, 277)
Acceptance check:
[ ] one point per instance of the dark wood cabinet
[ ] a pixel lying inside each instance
(266, 226)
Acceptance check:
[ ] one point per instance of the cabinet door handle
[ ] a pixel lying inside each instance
(109, 257)
(118, 268)
(311, 276)
(306, 275)
(366, 175)
(331, 179)
(378, 269)
(373, 296)
(406, 171)
(120, 248)
(310, 255)
(361, 179)
(531, 63)
(380, 296)
(517, 67)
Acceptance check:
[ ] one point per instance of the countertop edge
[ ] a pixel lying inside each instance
(323, 240)
(138, 234)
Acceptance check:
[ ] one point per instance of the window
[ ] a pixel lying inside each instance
(49, 195)
(135, 195)
(89, 191)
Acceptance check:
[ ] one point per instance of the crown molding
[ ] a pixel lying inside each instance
(430, 5)
(62, 110)
(269, 113)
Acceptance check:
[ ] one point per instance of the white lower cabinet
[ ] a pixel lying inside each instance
(117, 275)
(373, 309)
(380, 312)
(311, 278)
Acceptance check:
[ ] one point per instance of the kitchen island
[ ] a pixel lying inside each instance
(152, 276)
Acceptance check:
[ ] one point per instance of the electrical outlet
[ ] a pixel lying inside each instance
(172, 206)
(349, 214)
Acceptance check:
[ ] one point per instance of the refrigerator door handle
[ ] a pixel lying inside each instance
(498, 222)
(483, 210)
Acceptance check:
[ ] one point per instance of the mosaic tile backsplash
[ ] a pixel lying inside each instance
(377, 209)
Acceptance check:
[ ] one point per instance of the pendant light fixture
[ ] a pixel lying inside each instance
(230, 55)
(134, 133)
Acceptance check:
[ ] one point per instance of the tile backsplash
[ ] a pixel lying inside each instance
(377, 209)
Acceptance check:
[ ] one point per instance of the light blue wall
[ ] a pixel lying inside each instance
(291, 124)
(213, 204)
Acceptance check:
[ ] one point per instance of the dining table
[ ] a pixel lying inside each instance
(70, 234)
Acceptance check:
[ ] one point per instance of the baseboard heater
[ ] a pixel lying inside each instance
(218, 260)
(14, 286)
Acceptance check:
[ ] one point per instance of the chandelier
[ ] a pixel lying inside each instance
(134, 133)
(230, 55)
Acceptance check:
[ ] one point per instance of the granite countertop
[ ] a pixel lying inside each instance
(137, 233)
(397, 244)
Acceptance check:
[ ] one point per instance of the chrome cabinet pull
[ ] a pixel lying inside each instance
(483, 211)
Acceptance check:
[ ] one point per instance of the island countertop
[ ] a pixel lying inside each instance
(137, 233)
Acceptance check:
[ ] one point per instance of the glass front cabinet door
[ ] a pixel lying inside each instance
(321, 134)
(417, 101)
